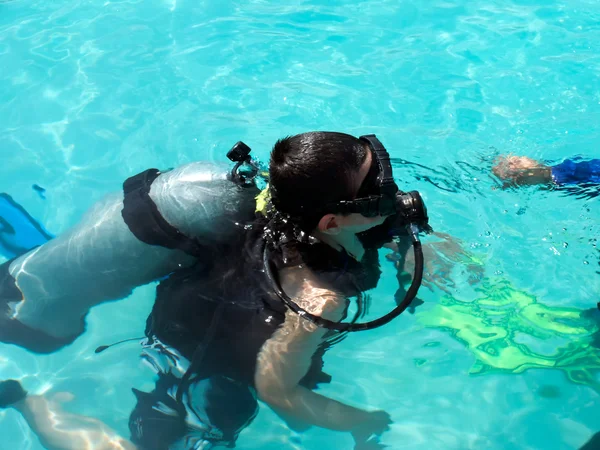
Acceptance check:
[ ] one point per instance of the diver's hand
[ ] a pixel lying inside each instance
(375, 424)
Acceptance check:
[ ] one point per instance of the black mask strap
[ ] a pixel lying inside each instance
(383, 201)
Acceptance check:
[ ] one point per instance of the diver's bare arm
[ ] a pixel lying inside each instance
(285, 359)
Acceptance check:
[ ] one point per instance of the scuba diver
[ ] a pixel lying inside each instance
(245, 312)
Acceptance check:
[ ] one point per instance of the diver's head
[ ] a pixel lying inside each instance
(312, 172)
(521, 170)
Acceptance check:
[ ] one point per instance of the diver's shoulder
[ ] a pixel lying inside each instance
(312, 292)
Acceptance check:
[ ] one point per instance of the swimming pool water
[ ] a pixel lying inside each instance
(499, 356)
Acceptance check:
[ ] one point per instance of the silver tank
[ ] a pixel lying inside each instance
(99, 259)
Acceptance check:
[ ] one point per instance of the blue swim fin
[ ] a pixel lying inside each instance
(19, 232)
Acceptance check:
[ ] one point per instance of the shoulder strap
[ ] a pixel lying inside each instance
(145, 221)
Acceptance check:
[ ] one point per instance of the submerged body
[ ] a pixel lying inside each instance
(241, 359)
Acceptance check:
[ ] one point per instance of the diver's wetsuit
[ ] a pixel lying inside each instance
(232, 295)
(575, 171)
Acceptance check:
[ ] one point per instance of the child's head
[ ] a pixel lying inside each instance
(521, 170)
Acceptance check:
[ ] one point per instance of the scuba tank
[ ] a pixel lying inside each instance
(157, 225)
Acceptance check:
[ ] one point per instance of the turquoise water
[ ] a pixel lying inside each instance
(499, 356)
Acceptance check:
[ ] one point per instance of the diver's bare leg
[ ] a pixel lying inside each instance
(60, 430)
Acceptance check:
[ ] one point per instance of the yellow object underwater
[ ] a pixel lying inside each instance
(262, 200)
(503, 326)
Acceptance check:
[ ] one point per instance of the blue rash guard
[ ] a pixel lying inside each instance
(576, 171)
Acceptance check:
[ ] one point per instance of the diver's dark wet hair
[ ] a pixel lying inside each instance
(307, 171)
